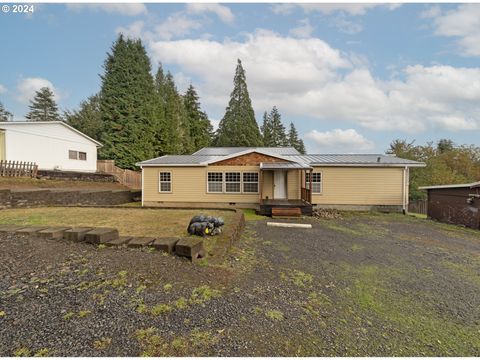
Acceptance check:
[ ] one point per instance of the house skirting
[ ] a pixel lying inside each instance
(380, 208)
(202, 205)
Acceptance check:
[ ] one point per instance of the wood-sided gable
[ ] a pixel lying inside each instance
(250, 159)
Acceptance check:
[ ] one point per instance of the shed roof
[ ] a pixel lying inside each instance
(284, 166)
(452, 186)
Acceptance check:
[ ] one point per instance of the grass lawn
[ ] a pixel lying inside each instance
(138, 222)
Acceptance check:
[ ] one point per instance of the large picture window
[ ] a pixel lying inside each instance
(215, 182)
(316, 182)
(250, 182)
(165, 182)
(232, 182)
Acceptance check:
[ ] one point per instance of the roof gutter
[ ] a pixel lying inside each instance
(367, 165)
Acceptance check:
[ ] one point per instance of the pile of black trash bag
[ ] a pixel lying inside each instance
(202, 225)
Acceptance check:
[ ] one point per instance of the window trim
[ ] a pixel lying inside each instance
(307, 183)
(251, 182)
(222, 182)
(233, 182)
(77, 155)
(160, 182)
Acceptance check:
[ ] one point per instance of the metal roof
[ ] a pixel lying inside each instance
(223, 151)
(206, 156)
(471, 185)
(284, 166)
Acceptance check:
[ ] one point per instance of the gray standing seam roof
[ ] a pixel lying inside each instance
(224, 151)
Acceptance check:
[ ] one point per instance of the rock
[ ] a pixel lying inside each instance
(166, 244)
(122, 240)
(31, 230)
(140, 241)
(101, 235)
(10, 228)
(76, 234)
(53, 232)
(190, 247)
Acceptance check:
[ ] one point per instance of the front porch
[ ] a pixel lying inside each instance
(284, 186)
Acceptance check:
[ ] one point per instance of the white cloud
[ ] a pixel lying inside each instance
(348, 140)
(222, 11)
(27, 87)
(309, 78)
(462, 23)
(303, 30)
(3, 89)
(127, 9)
(177, 24)
(346, 26)
(328, 9)
(134, 30)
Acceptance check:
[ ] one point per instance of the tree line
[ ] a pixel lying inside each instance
(446, 163)
(138, 116)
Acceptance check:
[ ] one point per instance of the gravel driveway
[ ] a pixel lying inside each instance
(367, 284)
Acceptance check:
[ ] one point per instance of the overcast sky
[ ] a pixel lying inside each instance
(352, 77)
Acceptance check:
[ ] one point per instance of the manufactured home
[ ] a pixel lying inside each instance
(264, 178)
(52, 145)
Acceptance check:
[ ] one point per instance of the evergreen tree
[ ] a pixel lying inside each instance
(176, 131)
(266, 129)
(199, 125)
(279, 138)
(88, 119)
(294, 140)
(43, 106)
(161, 141)
(238, 126)
(127, 104)
(4, 114)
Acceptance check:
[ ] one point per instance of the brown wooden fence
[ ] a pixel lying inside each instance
(418, 207)
(18, 168)
(126, 177)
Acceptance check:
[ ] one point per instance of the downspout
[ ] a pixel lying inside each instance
(142, 185)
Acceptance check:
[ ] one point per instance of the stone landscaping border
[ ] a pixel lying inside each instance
(188, 246)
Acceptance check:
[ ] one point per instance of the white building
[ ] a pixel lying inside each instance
(52, 145)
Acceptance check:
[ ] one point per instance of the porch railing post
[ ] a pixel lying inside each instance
(311, 184)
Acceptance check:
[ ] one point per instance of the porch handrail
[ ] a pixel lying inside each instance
(306, 194)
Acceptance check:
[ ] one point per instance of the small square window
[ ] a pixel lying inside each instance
(82, 156)
(72, 154)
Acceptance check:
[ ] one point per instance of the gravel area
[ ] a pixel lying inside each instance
(366, 284)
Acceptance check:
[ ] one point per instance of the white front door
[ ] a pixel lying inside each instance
(279, 184)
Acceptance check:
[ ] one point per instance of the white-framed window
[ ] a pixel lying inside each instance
(215, 182)
(232, 182)
(165, 181)
(77, 155)
(250, 182)
(316, 182)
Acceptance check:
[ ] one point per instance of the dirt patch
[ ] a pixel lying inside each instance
(345, 287)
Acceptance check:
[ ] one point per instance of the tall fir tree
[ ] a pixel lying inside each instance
(238, 126)
(200, 128)
(161, 140)
(43, 106)
(294, 140)
(278, 136)
(88, 119)
(4, 114)
(127, 104)
(176, 131)
(266, 130)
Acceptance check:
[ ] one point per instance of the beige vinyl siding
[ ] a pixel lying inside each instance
(360, 186)
(293, 184)
(267, 184)
(189, 184)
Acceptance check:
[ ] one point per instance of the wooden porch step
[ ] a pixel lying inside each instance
(286, 212)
